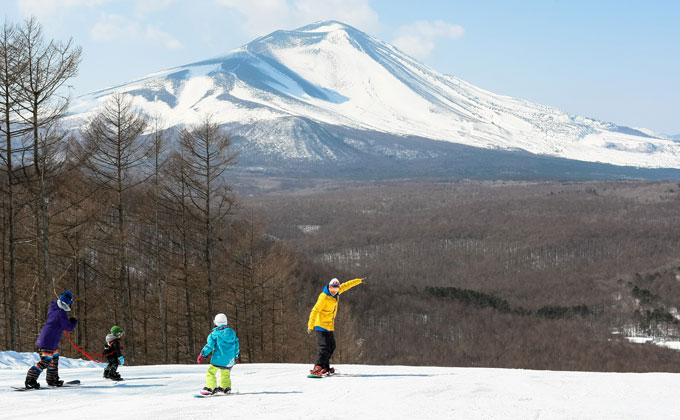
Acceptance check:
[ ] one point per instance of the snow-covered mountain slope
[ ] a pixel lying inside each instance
(286, 94)
(282, 391)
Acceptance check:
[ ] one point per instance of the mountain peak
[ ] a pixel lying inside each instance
(325, 26)
(328, 30)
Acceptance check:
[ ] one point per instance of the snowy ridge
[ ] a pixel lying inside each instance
(280, 88)
(14, 360)
(282, 391)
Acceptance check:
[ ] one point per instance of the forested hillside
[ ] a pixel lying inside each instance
(527, 275)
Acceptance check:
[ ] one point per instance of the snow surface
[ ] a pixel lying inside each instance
(674, 345)
(282, 391)
(14, 360)
(332, 73)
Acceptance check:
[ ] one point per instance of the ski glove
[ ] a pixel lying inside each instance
(121, 360)
(200, 358)
(309, 332)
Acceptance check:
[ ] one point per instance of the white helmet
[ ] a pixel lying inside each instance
(220, 319)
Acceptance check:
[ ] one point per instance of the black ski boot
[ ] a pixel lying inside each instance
(32, 376)
(32, 383)
(111, 372)
(56, 384)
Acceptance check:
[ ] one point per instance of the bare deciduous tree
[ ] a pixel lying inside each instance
(42, 103)
(9, 69)
(115, 152)
(207, 155)
(181, 229)
(157, 272)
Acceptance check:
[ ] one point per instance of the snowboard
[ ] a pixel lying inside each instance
(69, 384)
(219, 394)
(322, 376)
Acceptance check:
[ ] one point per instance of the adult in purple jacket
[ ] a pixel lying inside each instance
(48, 341)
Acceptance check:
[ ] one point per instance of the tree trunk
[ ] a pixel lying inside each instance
(41, 219)
(12, 242)
(83, 307)
(187, 295)
(190, 322)
(146, 322)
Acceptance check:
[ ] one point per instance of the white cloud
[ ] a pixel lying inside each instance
(260, 16)
(353, 12)
(116, 28)
(146, 7)
(264, 16)
(46, 9)
(156, 35)
(419, 38)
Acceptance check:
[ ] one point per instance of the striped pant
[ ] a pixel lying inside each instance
(49, 359)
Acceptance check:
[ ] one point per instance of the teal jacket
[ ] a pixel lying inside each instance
(223, 344)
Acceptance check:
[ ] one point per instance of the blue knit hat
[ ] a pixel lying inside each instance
(66, 297)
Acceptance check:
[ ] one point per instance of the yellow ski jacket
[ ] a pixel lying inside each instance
(323, 313)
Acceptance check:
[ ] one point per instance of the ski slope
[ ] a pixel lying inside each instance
(282, 391)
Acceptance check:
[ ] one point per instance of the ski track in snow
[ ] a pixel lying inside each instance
(282, 391)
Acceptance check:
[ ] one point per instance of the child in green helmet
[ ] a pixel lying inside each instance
(113, 354)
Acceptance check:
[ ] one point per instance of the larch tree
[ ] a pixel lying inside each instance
(154, 239)
(42, 103)
(115, 154)
(181, 229)
(207, 155)
(10, 66)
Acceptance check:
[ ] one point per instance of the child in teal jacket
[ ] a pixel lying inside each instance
(223, 344)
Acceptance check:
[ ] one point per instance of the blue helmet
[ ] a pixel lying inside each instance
(66, 297)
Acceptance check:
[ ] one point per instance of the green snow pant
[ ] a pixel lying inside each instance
(225, 377)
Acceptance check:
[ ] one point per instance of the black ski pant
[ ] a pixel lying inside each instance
(111, 370)
(325, 341)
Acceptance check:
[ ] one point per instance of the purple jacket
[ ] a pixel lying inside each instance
(57, 321)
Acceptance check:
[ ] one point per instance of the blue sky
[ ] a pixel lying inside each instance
(616, 61)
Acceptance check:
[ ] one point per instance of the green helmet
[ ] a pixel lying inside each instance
(117, 331)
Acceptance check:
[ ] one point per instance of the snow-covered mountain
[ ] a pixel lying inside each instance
(328, 92)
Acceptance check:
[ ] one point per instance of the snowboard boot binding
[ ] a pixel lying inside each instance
(111, 372)
(318, 371)
(55, 383)
(32, 383)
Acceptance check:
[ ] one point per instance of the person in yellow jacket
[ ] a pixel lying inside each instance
(322, 320)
